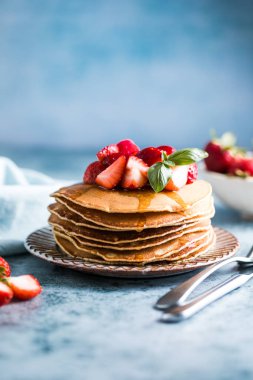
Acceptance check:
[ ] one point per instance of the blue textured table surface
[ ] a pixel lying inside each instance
(89, 327)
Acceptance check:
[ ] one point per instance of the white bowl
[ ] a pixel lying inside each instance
(235, 192)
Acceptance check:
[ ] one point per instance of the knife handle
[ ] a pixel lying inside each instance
(179, 294)
(181, 312)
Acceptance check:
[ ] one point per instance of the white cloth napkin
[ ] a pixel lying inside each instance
(24, 197)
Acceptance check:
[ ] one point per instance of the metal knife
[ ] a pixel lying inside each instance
(179, 294)
(181, 312)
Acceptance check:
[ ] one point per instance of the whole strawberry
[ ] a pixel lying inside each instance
(5, 270)
(242, 166)
(219, 159)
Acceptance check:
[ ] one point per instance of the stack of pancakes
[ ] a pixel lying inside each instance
(133, 227)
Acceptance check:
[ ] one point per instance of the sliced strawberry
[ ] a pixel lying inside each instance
(107, 161)
(24, 287)
(135, 174)
(92, 171)
(5, 270)
(192, 173)
(150, 155)
(178, 179)
(128, 148)
(107, 151)
(167, 149)
(111, 176)
(6, 294)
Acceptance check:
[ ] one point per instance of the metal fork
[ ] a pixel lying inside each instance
(178, 295)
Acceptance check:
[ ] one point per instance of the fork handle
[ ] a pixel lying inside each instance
(181, 312)
(181, 292)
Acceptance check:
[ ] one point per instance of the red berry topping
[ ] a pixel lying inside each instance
(6, 294)
(25, 287)
(178, 179)
(150, 155)
(92, 171)
(167, 149)
(107, 151)
(219, 159)
(128, 148)
(192, 173)
(5, 270)
(135, 174)
(111, 158)
(111, 176)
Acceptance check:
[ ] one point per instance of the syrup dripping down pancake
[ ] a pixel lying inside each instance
(138, 221)
(135, 201)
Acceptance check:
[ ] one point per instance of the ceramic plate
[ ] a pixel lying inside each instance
(41, 244)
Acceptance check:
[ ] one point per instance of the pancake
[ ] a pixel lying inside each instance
(134, 245)
(133, 227)
(135, 201)
(119, 237)
(156, 253)
(139, 221)
(185, 253)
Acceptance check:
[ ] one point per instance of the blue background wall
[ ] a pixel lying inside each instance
(81, 74)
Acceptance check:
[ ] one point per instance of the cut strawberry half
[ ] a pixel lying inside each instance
(24, 287)
(5, 270)
(128, 148)
(178, 179)
(6, 294)
(192, 173)
(135, 174)
(108, 160)
(111, 176)
(167, 149)
(150, 155)
(91, 173)
(107, 151)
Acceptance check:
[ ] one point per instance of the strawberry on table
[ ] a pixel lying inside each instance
(111, 176)
(135, 173)
(6, 294)
(24, 287)
(91, 173)
(5, 270)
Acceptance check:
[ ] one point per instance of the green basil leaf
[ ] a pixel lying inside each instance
(158, 176)
(168, 163)
(187, 156)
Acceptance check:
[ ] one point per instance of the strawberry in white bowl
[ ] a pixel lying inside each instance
(229, 169)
